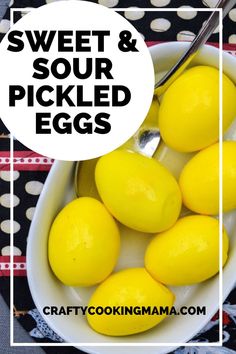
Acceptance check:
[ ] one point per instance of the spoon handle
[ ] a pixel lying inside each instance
(203, 35)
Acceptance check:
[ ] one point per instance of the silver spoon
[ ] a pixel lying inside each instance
(147, 141)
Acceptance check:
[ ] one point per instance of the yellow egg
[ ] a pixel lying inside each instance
(138, 191)
(189, 111)
(86, 186)
(199, 180)
(187, 253)
(131, 288)
(152, 116)
(84, 243)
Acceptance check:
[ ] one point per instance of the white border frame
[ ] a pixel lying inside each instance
(188, 344)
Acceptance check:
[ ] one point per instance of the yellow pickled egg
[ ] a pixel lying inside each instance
(189, 111)
(86, 186)
(199, 180)
(151, 119)
(138, 191)
(188, 253)
(84, 243)
(131, 288)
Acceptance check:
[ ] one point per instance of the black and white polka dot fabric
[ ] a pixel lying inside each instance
(155, 26)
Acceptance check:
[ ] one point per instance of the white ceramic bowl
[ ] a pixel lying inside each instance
(47, 290)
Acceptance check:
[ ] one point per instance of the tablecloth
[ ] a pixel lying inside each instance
(31, 170)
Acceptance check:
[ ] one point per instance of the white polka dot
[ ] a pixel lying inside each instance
(210, 3)
(232, 15)
(160, 3)
(30, 213)
(108, 3)
(232, 39)
(160, 25)
(5, 175)
(4, 26)
(6, 251)
(187, 15)
(5, 200)
(34, 187)
(11, 3)
(185, 36)
(134, 15)
(6, 226)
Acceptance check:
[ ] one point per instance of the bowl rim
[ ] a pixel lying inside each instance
(168, 47)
